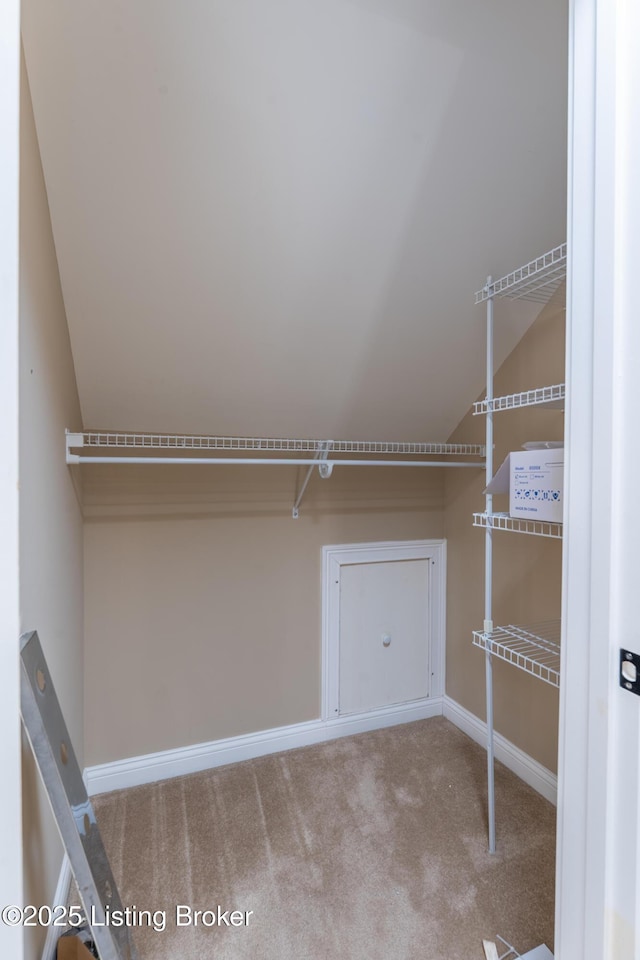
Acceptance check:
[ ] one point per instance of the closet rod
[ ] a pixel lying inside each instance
(269, 461)
(315, 453)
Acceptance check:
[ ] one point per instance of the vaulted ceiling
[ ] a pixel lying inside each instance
(271, 216)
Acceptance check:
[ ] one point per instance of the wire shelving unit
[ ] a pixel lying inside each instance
(536, 281)
(93, 439)
(502, 521)
(538, 653)
(534, 648)
(112, 447)
(550, 397)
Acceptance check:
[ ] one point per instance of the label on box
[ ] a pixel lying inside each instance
(536, 483)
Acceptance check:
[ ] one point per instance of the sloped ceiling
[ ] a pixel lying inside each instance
(271, 215)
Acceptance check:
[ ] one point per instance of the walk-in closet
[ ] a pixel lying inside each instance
(297, 413)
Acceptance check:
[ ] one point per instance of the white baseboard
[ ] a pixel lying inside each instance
(203, 756)
(519, 762)
(60, 897)
(152, 767)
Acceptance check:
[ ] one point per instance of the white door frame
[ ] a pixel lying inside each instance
(339, 555)
(598, 854)
(11, 938)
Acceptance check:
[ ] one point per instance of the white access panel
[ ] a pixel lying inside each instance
(384, 634)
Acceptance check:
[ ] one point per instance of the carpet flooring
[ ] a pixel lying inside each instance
(372, 847)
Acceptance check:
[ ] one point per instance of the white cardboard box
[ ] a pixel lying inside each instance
(539, 953)
(534, 481)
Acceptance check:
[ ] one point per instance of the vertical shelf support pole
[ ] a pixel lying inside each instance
(488, 581)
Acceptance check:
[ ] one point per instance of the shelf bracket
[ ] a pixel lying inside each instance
(73, 440)
(324, 469)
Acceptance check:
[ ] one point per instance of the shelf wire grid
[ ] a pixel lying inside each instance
(536, 281)
(147, 441)
(551, 397)
(502, 521)
(534, 648)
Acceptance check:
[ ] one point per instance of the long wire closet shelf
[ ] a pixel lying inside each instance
(502, 521)
(549, 397)
(534, 648)
(290, 450)
(536, 281)
(113, 447)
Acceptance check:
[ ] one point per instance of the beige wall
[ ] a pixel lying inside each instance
(50, 518)
(203, 595)
(527, 570)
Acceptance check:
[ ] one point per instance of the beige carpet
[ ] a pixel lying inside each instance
(372, 847)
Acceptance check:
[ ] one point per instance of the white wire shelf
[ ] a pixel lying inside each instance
(550, 397)
(182, 442)
(534, 648)
(536, 281)
(502, 521)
